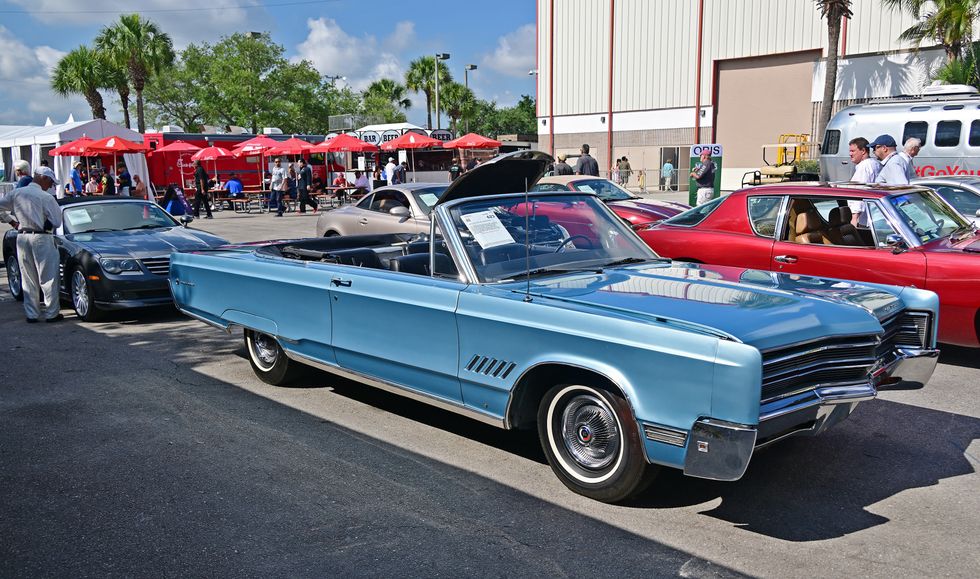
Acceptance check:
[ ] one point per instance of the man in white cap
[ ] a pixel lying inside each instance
(38, 214)
(390, 170)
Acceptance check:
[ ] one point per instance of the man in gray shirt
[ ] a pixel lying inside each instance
(586, 165)
(894, 169)
(38, 214)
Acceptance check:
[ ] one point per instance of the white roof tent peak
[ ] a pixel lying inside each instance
(64, 133)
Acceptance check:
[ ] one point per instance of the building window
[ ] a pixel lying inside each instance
(831, 142)
(917, 129)
(948, 133)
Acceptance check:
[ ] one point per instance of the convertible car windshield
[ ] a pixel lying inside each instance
(926, 215)
(604, 189)
(508, 237)
(116, 216)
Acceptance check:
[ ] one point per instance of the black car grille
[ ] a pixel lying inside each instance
(157, 265)
(823, 362)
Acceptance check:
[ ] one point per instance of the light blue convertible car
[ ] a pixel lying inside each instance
(623, 361)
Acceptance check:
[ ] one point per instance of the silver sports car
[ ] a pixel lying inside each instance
(392, 209)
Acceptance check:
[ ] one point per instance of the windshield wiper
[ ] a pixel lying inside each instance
(98, 230)
(627, 261)
(556, 270)
(144, 226)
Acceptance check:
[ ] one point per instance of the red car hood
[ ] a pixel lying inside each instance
(638, 211)
(969, 244)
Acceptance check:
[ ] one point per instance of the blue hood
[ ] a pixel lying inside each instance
(761, 308)
(142, 243)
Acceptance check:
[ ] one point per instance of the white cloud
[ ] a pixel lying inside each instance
(25, 74)
(215, 19)
(362, 59)
(514, 55)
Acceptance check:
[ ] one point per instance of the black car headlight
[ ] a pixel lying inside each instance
(120, 265)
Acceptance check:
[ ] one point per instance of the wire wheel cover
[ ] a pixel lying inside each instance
(590, 432)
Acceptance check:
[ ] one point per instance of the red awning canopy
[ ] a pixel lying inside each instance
(258, 144)
(177, 147)
(344, 144)
(472, 141)
(291, 146)
(212, 154)
(116, 146)
(411, 141)
(77, 148)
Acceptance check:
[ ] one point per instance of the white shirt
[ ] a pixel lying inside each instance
(390, 171)
(909, 165)
(893, 171)
(32, 206)
(866, 171)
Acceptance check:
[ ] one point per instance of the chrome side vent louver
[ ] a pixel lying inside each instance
(665, 434)
(490, 366)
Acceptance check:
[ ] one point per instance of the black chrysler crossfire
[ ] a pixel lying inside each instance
(114, 253)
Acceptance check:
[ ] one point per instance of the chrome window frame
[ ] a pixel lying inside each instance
(780, 215)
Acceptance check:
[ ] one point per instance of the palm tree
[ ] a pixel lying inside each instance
(420, 77)
(116, 79)
(141, 47)
(456, 101)
(948, 23)
(833, 11)
(81, 71)
(390, 91)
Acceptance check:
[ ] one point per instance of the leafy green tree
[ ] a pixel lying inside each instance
(141, 47)
(389, 90)
(82, 71)
(833, 11)
(518, 119)
(948, 23)
(385, 101)
(961, 70)
(180, 95)
(420, 77)
(456, 101)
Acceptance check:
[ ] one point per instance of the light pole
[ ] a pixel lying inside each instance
(439, 56)
(466, 82)
(333, 78)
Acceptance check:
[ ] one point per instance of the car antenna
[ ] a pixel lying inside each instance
(527, 245)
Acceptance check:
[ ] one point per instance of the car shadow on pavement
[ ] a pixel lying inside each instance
(959, 356)
(154, 468)
(813, 489)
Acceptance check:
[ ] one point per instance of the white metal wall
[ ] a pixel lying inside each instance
(655, 46)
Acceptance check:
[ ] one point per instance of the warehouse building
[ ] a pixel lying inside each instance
(646, 80)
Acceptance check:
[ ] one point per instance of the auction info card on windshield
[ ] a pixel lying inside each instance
(487, 229)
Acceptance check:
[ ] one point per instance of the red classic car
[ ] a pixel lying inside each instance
(903, 236)
(636, 211)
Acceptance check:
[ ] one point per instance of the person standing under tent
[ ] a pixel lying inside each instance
(77, 187)
(303, 183)
(278, 186)
(201, 187)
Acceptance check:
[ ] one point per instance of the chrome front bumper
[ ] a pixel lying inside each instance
(720, 450)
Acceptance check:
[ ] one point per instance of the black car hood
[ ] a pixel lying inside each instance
(141, 243)
(511, 173)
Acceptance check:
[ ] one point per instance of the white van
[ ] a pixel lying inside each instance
(946, 119)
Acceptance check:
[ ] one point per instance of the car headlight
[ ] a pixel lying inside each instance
(120, 264)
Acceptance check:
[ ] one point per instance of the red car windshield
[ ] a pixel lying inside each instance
(928, 216)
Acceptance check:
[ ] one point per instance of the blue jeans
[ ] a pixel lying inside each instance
(275, 198)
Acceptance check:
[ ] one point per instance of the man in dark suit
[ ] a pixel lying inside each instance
(201, 186)
(303, 183)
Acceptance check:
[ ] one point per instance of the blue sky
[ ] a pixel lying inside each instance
(357, 39)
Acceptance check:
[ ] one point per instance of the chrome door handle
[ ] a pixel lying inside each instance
(785, 258)
(363, 221)
(178, 282)
(340, 282)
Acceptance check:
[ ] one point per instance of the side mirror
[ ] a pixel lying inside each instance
(896, 242)
(400, 211)
(185, 219)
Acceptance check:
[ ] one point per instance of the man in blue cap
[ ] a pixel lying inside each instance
(894, 168)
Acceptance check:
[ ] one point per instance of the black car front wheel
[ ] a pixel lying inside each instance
(593, 443)
(82, 299)
(268, 360)
(13, 278)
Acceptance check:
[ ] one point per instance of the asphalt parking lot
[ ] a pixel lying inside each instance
(144, 445)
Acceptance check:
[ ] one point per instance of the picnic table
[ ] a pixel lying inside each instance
(342, 194)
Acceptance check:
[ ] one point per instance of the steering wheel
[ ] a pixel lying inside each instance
(562, 245)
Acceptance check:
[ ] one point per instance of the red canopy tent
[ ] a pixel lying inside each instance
(411, 141)
(291, 146)
(213, 154)
(343, 143)
(116, 146)
(179, 147)
(256, 145)
(76, 148)
(472, 141)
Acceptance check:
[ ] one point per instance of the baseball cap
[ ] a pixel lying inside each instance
(883, 140)
(43, 171)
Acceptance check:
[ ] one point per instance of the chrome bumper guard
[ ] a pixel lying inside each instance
(719, 450)
(910, 368)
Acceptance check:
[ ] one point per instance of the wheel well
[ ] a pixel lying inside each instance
(523, 412)
(331, 233)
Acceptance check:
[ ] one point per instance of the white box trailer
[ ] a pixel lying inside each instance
(946, 119)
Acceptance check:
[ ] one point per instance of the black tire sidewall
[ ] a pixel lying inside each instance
(628, 475)
(93, 312)
(280, 371)
(19, 294)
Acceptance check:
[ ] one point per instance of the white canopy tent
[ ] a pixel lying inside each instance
(33, 142)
